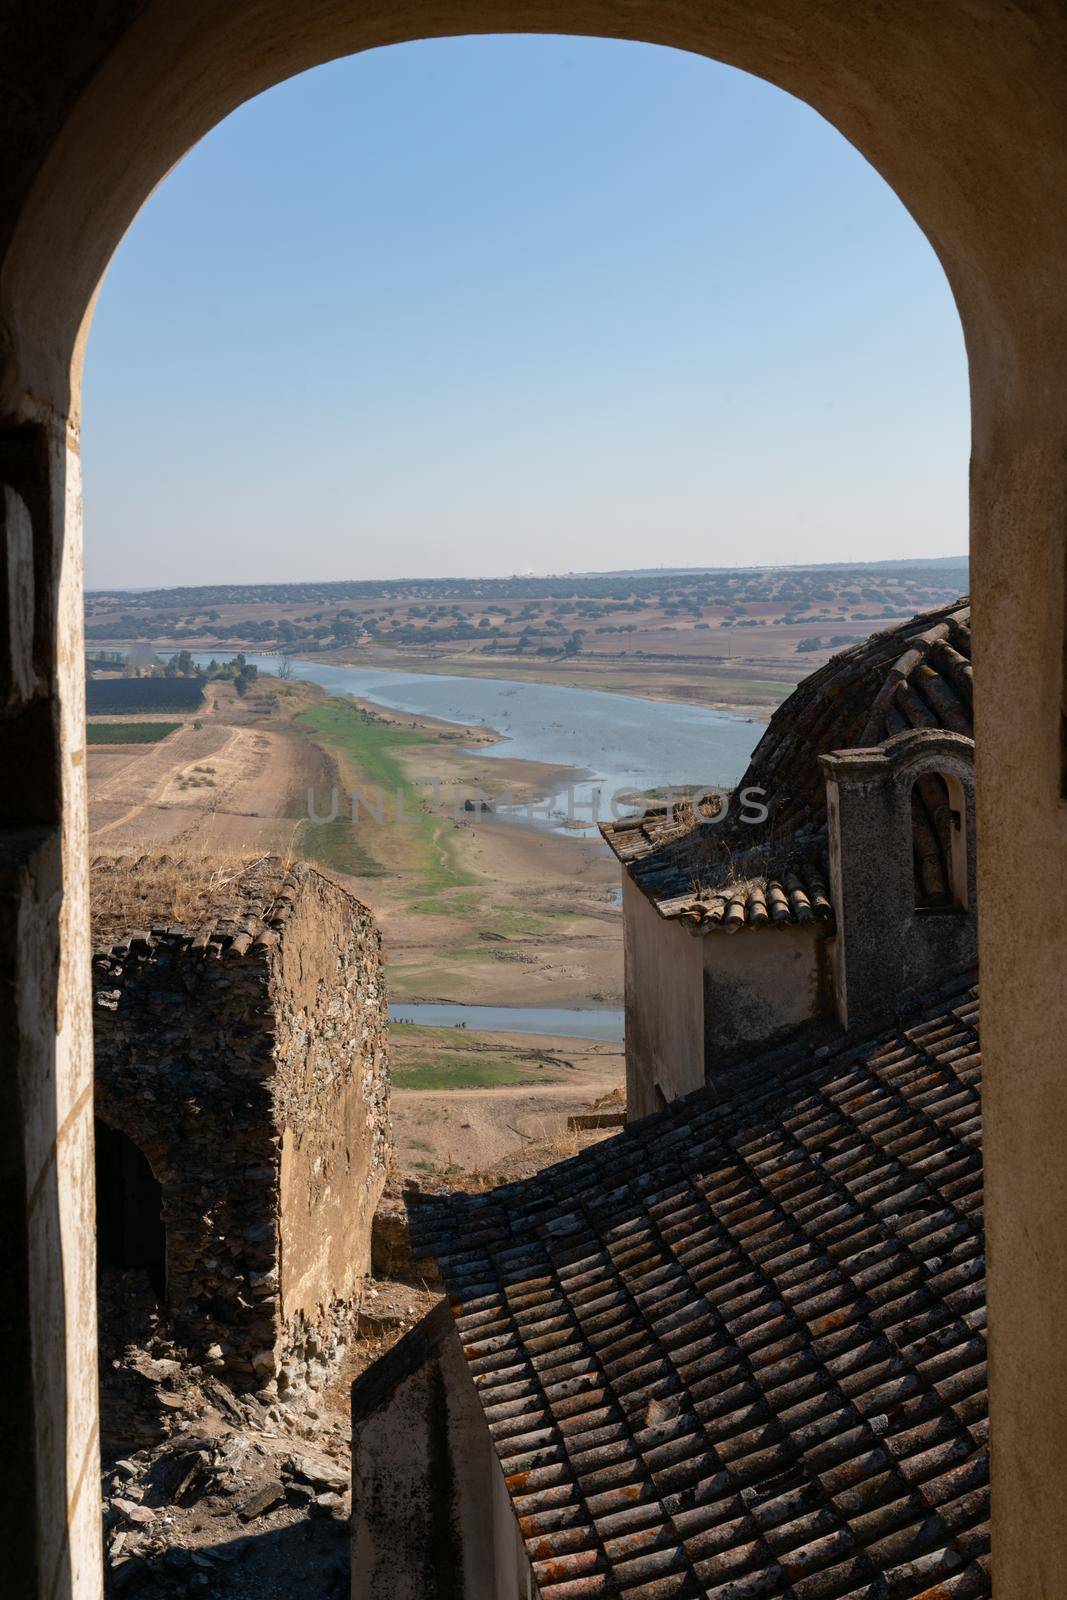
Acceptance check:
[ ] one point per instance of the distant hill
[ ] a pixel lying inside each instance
(647, 583)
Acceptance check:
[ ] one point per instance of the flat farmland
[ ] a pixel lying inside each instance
(228, 781)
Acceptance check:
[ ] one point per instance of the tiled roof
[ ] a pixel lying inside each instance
(780, 896)
(917, 675)
(773, 885)
(241, 905)
(738, 1350)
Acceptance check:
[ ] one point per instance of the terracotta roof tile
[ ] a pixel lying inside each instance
(738, 1350)
(243, 908)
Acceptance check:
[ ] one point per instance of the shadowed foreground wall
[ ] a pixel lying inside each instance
(760, 986)
(431, 1517)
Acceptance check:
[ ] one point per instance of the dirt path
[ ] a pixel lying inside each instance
(145, 778)
(228, 785)
(532, 919)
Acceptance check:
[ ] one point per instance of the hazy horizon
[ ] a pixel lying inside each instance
(491, 306)
(950, 561)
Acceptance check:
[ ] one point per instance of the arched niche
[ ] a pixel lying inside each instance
(939, 820)
(130, 1231)
(902, 848)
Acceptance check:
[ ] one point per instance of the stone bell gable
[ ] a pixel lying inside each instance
(902, 877)
(241, 1081)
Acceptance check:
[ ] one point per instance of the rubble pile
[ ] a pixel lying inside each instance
(210, 1490)
(230, 1481)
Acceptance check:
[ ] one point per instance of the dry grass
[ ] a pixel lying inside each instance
(614, 1100)
(131, 892)
(554, 1141)
(718, 870)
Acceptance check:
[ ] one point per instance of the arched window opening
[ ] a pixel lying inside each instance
(129, 1209)
(939, 842)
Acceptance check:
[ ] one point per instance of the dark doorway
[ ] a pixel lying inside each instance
(129, 1208)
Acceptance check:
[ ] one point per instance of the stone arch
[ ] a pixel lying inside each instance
(181, 70)
(962, 107)
(935, 770)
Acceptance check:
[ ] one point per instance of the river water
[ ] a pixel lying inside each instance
(600, 1023)
(617, 741)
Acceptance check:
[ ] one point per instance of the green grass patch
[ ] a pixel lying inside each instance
(453, 1058)
(466, 906)
(370, 755)
(338, 845)
(511, 922)
(420, 1033)
(129, 732)
(454, 1070)
(371, 747)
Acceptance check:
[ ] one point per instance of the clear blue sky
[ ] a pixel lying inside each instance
(520, 304)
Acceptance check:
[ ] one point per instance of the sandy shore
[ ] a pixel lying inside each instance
(471, 1130)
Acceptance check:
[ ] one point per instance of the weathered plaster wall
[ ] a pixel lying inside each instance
(664, 1006)
(431, 1515)
(760, 984)
(694, 1003)
(331, 1099)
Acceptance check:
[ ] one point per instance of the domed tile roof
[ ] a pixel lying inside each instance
(732, 874)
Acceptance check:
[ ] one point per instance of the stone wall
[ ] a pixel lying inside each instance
(331, 1107)
(887, 945)
(183, 1065)
(252, 1073)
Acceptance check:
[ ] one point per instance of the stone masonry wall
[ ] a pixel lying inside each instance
(331, 1110)
(253, 1075)
(183, 1065)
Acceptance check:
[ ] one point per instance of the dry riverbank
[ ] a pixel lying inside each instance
(474, 907)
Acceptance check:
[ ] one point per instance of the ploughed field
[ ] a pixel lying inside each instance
(129, 732)
(122, 696)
